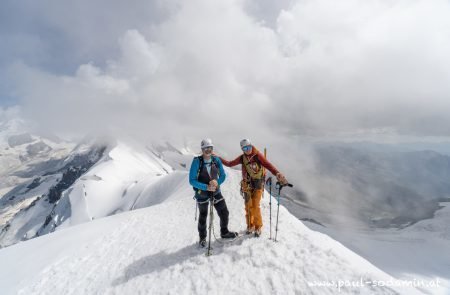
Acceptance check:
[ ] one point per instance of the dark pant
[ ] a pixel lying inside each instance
(222, 211)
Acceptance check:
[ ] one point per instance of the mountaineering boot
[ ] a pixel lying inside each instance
(250, 230)
(229, 235)
(202, 243)
(257, 233)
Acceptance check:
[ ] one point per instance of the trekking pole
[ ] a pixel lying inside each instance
(196, 205)
(247, 203)
(269, 183)
(211, 202)
(245, 195)
(279, 186)
(264, 174)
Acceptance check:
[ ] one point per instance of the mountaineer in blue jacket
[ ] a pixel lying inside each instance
(206, 175)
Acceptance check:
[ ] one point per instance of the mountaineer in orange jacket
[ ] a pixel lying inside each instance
(252, 185)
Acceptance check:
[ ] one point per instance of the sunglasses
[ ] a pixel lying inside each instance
(209, 148)
(247, 148)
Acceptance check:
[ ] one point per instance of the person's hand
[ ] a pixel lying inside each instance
(212, 188)
(214, 183)
(282, 179)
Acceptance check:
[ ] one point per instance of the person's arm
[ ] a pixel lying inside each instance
(233, 163)
(271, 168)
(222, 174)
(193, 176)
(267, 164)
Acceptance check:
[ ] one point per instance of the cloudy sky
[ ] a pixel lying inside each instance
(239, 67)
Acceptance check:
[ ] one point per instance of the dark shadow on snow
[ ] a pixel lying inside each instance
(162, 260)
(157, 262)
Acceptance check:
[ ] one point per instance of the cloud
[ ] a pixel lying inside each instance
(10, 113)
(320, 68)
(374, 65)
(60, 36)
(275, 72)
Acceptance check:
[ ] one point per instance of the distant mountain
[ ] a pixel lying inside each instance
(47, 184)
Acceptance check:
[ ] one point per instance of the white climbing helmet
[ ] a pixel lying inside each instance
(206, 143)
(245, 142)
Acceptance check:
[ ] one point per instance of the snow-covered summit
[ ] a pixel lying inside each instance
(154, 250)
(114, 217)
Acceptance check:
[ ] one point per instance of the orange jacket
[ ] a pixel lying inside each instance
(255, 155)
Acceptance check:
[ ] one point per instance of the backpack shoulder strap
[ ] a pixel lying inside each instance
(200, 165)
(215, 161)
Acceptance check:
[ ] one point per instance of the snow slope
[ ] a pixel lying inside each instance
(105, 188)
(154, 250)
(417, 251)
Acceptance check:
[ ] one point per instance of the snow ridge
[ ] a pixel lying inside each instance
(154, 250)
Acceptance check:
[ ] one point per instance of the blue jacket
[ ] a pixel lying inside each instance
(194, 170)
